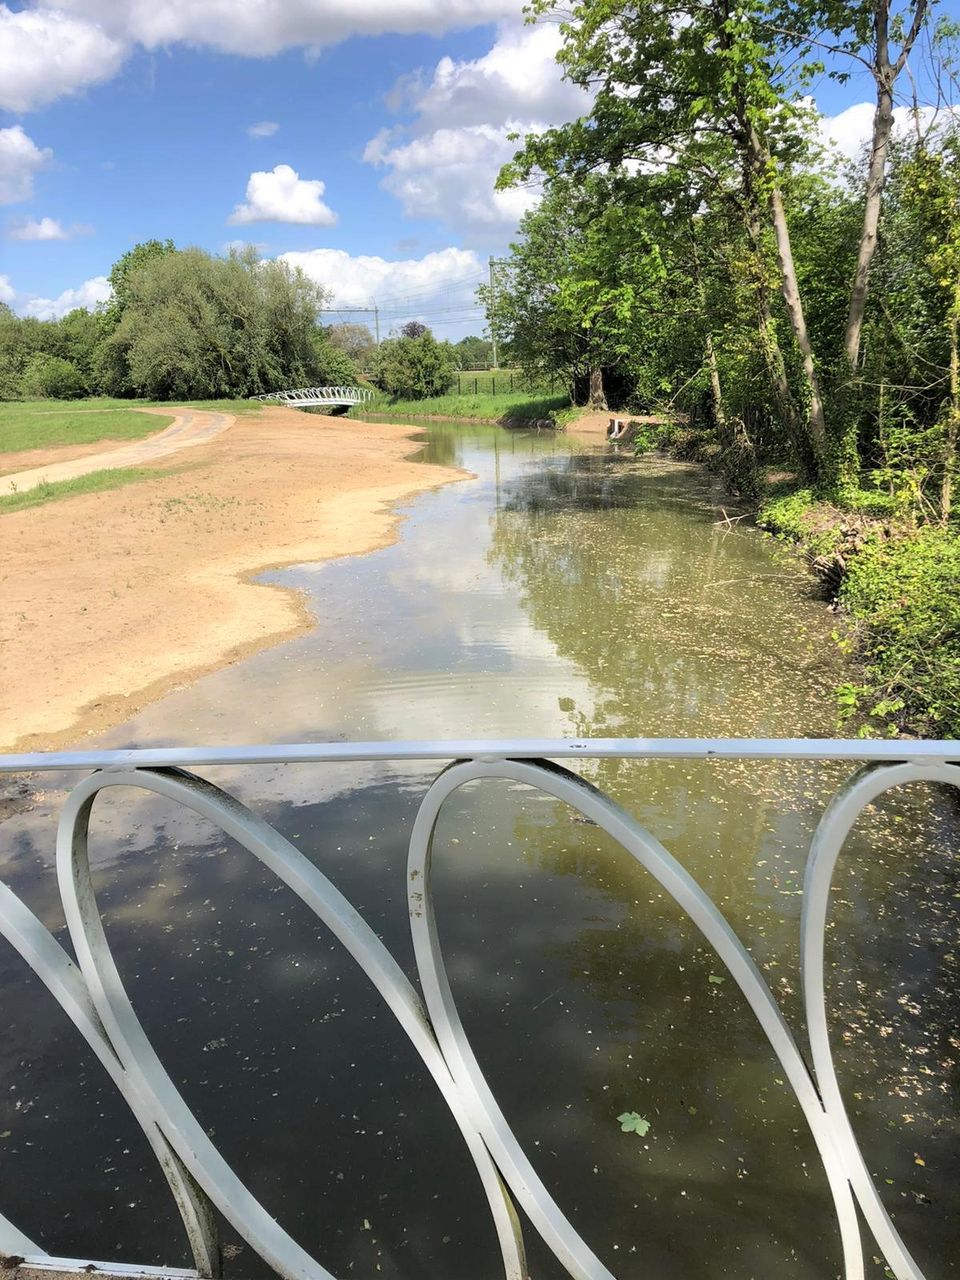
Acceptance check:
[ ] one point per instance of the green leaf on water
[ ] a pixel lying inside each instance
(631, 1122)
(714, 977)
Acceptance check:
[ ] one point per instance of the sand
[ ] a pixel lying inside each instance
(112, 599)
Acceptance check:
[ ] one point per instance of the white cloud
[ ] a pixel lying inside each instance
(445, 164)
(262, 27)
(262, 129)
(847, 133)
(450, 174)
(359, 281)
(45, 54)
(90, 294)
(47, 229)
(518, 79)
(20, 158)
(7, 291)
(283, 196)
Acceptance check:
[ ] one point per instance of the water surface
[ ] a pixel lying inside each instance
(566, 590)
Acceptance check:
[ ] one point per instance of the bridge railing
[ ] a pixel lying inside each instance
(92, 994)
(319, 395)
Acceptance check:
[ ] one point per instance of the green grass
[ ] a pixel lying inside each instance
(489, 408)
(42, 424)
(95, 482)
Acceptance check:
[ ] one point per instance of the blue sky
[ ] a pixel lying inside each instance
(383, 124)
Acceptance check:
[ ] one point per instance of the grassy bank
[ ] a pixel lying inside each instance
(43, 424)
(95, 482)
(510, 409)
(899, 583)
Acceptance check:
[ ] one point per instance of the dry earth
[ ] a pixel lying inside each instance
(113, 598)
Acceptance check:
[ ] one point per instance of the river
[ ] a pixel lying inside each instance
(566, 590)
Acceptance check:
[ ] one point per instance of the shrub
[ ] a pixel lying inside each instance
(907, 593)
(52, 377)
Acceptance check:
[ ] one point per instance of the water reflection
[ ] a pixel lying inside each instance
(560, 591)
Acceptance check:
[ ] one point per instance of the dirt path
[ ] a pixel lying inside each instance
(190, 427)
(111, 599)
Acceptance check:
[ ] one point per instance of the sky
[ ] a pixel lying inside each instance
(359, 139)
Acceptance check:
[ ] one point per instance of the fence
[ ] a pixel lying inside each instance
(501, 382)
(93, 997)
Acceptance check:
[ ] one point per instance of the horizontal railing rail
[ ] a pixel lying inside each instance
(203, 1184)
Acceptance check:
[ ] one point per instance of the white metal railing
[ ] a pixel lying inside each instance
(319, 396)
(92, 994)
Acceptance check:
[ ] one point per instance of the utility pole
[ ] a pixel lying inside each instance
(376, 321)
(493, 310)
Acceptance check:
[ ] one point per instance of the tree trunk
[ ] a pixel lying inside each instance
(794, 304)
(953, 414)
(716, 392)
(885, 74)
(769, 344)
(598, 397)
(882, 128)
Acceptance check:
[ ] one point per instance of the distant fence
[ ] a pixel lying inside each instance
(493, 382)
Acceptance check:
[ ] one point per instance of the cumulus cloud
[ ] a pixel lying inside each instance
(262, 27)
(358, 281)
(90, 294)
(7, 291)
(283, 196)
(444, 164)
(262, 129)
(47, 229)
(846, 134)
(20, 159)
(450, 174)
(45, 54)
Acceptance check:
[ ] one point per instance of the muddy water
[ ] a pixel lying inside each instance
(565, 590)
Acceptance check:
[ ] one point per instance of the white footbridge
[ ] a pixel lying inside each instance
(318, 397)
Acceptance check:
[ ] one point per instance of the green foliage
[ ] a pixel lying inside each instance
(632, 1122)
(906, 592)
(785, 515)
(414, 368)
(515, 408)
(52, 377)
(473, 352)
(194, 326)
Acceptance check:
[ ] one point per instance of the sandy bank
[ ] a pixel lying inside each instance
(113, 598)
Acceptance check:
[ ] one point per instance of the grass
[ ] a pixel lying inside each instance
(42, 424)
(489, 408)
(95, 482)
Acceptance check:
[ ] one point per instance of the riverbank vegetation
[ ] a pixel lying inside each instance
(699, 247)
(510, 409)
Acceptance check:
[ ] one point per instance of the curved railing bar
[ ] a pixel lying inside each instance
(37, 946)
(174, 1118)
(518, 1173)
(828, 841)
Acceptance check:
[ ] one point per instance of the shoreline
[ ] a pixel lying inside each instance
(119, 597)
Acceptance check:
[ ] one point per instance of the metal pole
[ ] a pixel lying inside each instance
(376, 321)
(493, 311)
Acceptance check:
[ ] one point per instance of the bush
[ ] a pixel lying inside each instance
(51, 377)
(907, 593)
(415, 368)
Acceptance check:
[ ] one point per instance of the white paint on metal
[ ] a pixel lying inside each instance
(302, 397)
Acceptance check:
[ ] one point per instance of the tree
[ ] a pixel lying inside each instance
(194, 326)
(414, 368)
(413, 329)
(473, 352)
(355, 341)
(123, 271)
